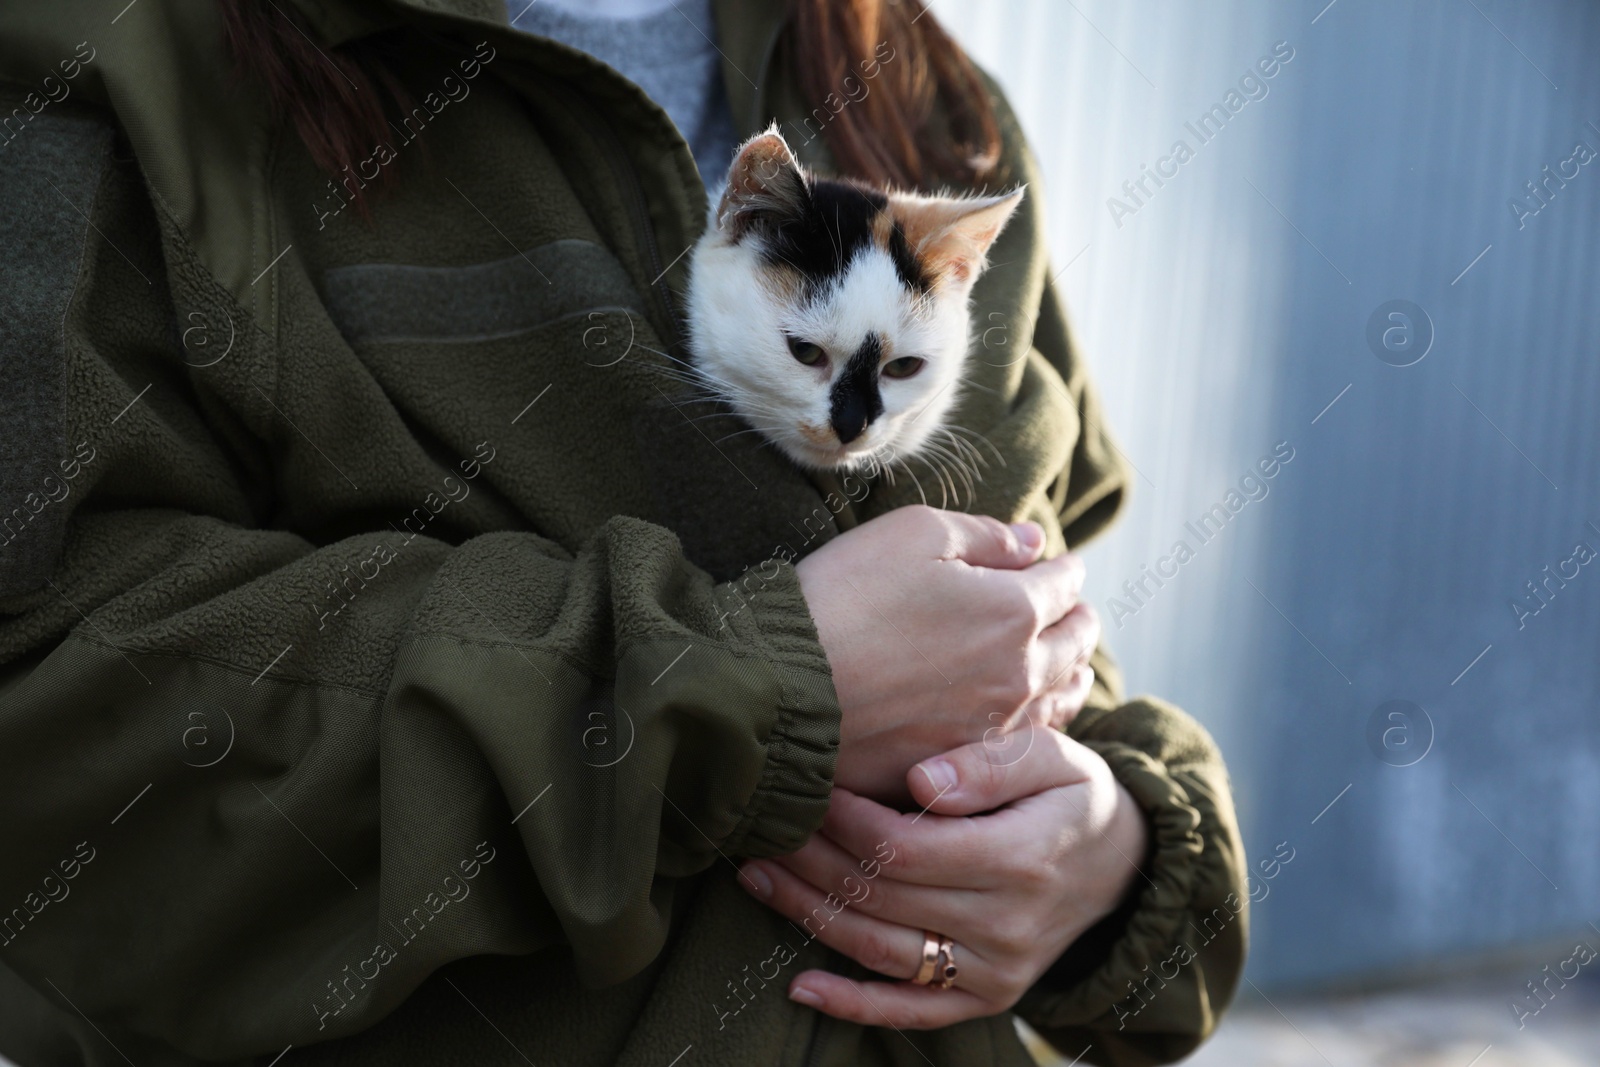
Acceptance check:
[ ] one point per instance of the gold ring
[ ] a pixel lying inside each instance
(946, 967)
(931, 945)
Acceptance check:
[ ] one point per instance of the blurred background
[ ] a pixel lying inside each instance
(1381, 261)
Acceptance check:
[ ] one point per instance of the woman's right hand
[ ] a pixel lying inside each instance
(940, 627)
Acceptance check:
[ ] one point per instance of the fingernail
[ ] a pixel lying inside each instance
(802, 995)
(1028, 533)
(756, 881)
(941, 774)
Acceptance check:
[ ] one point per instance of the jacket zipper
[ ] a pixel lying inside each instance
(818, 1020)
(814, 1042)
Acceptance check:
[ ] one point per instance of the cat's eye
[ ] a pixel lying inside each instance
(806, 352)
(904, 367)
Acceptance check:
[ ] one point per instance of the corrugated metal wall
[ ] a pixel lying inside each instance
(1225, 313)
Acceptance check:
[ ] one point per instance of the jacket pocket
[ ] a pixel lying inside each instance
(378, 302)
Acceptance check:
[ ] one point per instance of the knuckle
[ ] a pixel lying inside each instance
(1028, 865)
(907, 858)
(1085, 682)
(1068, 711)
(1091, 621)
(987, 774)
(990, 526)
(1015, 693)
(975, 764)
(1080, 639)
(1033, 669)
(1014, 937)
(984, 532)
(876, 954)
(1026, 625)
(1009, 688)
(871, 902)
(1019, 604)
(1011, 980)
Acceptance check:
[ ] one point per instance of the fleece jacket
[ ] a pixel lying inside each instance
(395, 660)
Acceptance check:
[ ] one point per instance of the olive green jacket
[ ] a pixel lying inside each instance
(394, 661)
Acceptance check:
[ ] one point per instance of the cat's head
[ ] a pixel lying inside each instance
(833, 316)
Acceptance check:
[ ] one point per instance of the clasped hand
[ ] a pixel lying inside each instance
(955, 654)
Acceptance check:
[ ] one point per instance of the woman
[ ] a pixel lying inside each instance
(395, 669)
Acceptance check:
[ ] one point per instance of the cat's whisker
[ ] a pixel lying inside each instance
(737, 433)
(876, 468)
(736, 406)
(666, 355)
(974, 478)
(916, 481)
(946, 477)
(774, 252)
(683, 379)
(957, 439)
(697, 379)
(967, 450)
(692, 391)
(969, 471)
(710, 415)
(723, 401)
(998, 455)
(693, 371)
(946, 482)
(946, 443)
(941, 469)
(964, 455)
(836, 233)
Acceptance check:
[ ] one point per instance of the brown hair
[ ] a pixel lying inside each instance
(331, 96)
(923, 119)
(922, 116)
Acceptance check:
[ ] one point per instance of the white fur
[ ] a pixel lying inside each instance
(739, 329)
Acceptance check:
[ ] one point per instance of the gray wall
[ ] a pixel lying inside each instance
(1226, 312)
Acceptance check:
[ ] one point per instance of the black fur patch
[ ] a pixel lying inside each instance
(855, 400)
(835, 222)
(906, 264)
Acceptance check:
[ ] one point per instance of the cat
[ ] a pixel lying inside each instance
(832, 316)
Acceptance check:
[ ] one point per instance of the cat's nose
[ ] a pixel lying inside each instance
(855, 400)
(853, 410)
(849, 424)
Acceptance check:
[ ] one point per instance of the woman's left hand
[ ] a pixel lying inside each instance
(1057, 851)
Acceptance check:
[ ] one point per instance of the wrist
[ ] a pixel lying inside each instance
(1129, 833)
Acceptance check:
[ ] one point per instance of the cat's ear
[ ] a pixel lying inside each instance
(765, 185)
(951, 236)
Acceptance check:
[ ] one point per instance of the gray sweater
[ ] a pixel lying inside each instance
(670, 53)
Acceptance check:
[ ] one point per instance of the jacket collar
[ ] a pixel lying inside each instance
(748, 36)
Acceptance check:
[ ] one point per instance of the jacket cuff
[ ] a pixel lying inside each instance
(1081, 992)
(803, 747)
